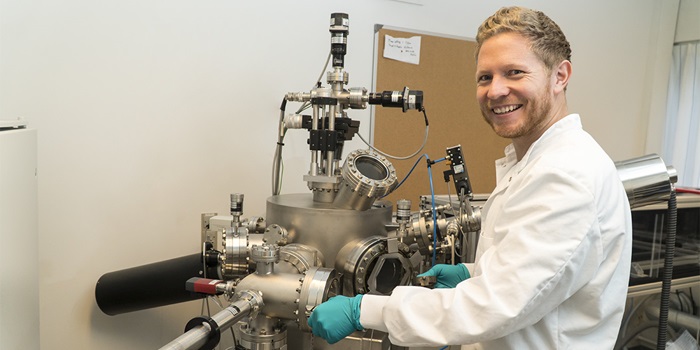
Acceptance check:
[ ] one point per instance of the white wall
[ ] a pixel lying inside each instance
(151, 112)
(688, 26)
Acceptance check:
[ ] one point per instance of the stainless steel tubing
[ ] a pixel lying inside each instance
(248, 302)
(290, 296)
(193, 339)
(646, 179)
(367, 176)
(330, 155)
(281, 291)
(323, 227)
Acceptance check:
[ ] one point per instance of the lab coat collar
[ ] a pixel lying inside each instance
(571, 121)
(510, 165)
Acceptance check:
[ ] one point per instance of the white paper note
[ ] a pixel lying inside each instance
(402, 49)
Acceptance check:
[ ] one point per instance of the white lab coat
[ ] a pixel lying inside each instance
(552, 264)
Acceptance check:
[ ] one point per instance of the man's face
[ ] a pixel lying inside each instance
(513, 87)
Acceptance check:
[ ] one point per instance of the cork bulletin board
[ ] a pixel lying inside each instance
(446, 75)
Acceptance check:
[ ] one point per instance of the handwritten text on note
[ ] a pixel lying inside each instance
(402, 49)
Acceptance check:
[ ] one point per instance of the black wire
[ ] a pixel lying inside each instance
(680, 300)
(692, 301)
(407, 175)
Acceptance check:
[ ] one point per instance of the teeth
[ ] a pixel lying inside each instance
(505, 109)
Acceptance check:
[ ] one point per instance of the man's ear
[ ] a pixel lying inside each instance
(562, 73)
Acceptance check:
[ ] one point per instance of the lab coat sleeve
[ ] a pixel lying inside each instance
(545, 245)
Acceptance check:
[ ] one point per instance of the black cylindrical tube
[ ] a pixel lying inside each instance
(406, 99)
(148, 286)
(667, 276)
(339, 32)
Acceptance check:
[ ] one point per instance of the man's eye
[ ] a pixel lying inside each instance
(483, 78)
(515, 72)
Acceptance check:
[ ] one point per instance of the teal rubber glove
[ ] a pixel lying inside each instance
(336, 318)
(448, 276)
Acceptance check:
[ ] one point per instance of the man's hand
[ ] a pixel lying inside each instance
(336, 318)
(448, 276)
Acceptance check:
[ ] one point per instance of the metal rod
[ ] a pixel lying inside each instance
(330, 155)
(198, 336)
(313, 171)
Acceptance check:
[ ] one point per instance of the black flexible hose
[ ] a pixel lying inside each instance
(661, 338)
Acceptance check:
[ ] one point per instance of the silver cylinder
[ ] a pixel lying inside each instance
(298, 258)
(403, 211)
(330, 155)
(646, 179)
(236, 206)
(265, 256)
(248, 302)
(326, 228)
(280, 290)
(263, 333)
(366, 177)
(235, 252)
(293, 296)
(319, 284)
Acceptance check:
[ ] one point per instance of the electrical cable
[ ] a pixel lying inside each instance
(306, 105)
(643, 327)
(325, 66)
(277, 164)
(681, 302)
(692, 301)
(458, 218)
(634, 309)
(432, 193)
(687, 190)
(407, 175)
(425, 141)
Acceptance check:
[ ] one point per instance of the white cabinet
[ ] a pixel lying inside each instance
(19, 272)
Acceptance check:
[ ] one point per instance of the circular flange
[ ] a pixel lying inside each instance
(319, 284)
(358, 260)
(235, 253)
(366, 177)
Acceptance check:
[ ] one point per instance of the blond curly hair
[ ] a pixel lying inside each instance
(547, 40)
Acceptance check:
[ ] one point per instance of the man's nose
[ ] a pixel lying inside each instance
(497, 88)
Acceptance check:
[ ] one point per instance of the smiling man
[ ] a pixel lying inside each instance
(553, 259)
